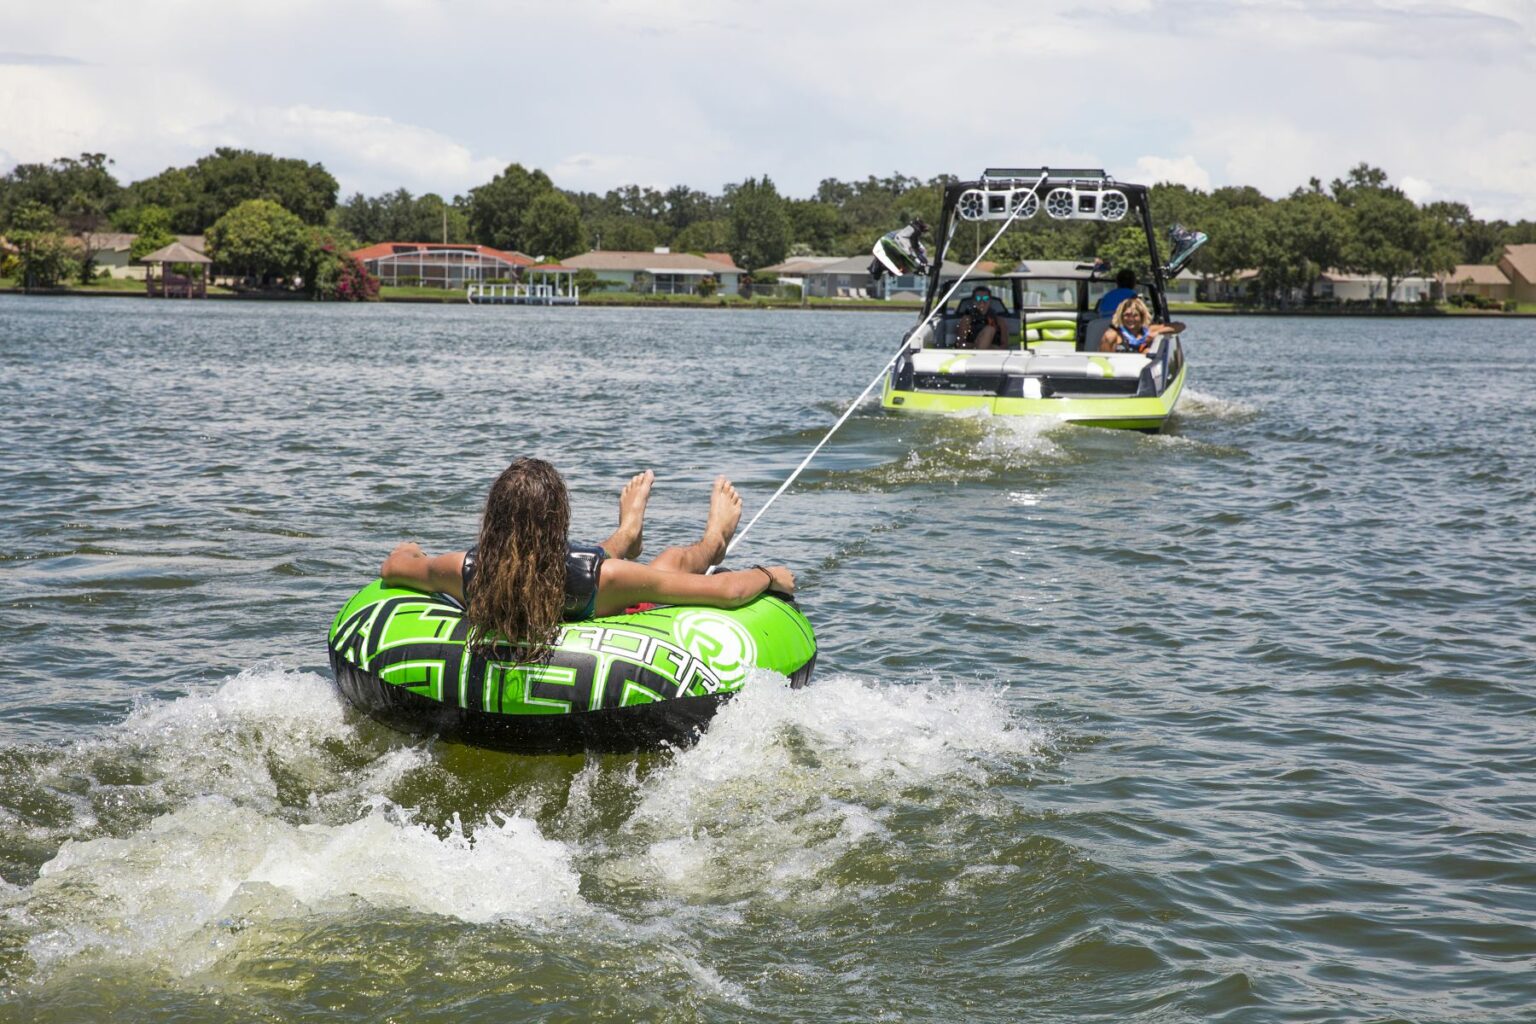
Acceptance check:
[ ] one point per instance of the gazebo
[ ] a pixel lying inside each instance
(175, 286)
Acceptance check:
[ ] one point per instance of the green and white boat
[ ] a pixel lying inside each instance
(1050, 364)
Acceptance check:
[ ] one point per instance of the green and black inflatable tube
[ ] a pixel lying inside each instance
(620, 683)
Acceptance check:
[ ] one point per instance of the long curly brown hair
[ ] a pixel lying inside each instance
(518, 593)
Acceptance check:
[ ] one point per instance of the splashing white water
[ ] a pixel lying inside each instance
(159, 892)
(263, 730)
(783, 786)
(1195, 403)
(786, 782)
(1015, 438)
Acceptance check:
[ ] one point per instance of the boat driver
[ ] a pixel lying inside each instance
(1125, 288)
(979, 321)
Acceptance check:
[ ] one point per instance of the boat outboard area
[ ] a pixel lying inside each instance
(1028, 341)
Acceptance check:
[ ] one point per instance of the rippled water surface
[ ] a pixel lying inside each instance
(1231, 723)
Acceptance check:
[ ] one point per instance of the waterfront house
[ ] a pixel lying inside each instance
(814, 275)
(660, 271)
(1481, 279)
(1338, 286)
(1183, 287)
(111, 249)
(441, 265)
(846, 277)
(1519, 264)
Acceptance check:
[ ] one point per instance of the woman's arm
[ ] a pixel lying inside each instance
(623, 583)
(409, 566)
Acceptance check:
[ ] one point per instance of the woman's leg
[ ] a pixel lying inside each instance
(629, 538)
(719, 528)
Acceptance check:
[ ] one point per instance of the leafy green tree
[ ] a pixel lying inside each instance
(152, 226)
(1311, 235)
(622, 234)
(1439, 247)
(498, 208)
(1477, 241)
(815, 225)
(361, 217)
(63, 186)
(435, 219)
(259, 239)
(217, 183)
(229, 177)
(1361, 178)
(760, 228)
(45, 258)
(1237, 242)
(400, 217)
(1128, 250)
(1387, 235)
(81, 193)
(173, 189)
(685, 206)
(552, 227)
(703, 236)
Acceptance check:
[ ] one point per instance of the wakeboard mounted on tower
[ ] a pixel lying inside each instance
(898, 253)
(1185, 242)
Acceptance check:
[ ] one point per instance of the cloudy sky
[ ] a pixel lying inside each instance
(439, 96)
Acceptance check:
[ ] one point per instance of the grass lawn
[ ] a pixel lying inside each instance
(418, 293)
(1201, 307)
(100, 286)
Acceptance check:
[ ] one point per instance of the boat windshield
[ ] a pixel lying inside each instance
(1049, 293)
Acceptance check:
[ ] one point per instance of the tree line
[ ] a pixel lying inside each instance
(270, 218)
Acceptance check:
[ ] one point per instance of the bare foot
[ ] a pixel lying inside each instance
(724, 514)
(632, 499)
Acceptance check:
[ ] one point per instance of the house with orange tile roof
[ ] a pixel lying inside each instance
(440, 264)
(1519, 265)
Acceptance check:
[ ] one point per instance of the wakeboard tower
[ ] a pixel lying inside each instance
(1049, 361)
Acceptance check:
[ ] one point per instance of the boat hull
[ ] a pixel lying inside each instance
(1148, 413)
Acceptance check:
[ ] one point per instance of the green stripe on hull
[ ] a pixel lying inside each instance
(1115, 413)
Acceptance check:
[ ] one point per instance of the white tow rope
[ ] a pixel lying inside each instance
(1017, 206)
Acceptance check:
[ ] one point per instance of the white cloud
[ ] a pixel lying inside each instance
(1417, 189)
(1183, 170)
(437, 96)
(365, 152)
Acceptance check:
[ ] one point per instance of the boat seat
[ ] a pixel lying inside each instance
(1049, 326)
(960, 360)
(1093, 330)
(1116, 365)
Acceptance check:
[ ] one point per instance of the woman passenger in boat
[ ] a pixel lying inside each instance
(1132, 329)
(523, 577)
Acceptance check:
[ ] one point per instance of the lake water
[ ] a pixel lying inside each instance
(1232, 723)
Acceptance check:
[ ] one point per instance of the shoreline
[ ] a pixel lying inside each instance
(759, 304)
